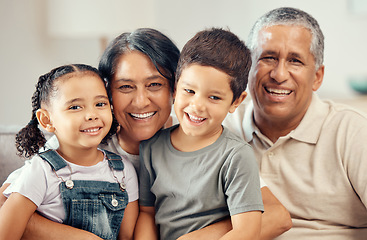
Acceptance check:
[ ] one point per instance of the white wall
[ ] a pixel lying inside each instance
(27, 51)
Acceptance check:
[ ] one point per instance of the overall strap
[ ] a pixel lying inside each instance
(53, 158)
(112, 157)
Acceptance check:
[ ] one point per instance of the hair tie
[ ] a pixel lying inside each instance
(33, 121)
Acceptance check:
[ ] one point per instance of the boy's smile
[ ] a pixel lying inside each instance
(202, 100)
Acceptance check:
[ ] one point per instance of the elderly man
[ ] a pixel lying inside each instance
(311, 153)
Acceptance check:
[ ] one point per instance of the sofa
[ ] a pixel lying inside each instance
(9, 160)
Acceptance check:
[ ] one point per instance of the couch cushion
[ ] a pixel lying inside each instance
(9, 160)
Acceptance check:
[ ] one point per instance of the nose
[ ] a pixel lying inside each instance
(197, 104)
(141, 98)
(280, 72)
(91, 115)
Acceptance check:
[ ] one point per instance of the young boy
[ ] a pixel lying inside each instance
(197, 173)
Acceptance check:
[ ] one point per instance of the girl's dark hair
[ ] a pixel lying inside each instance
(30, 139)
(159, 48)
(220, 49)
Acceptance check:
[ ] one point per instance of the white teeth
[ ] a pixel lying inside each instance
(91, 130)
(195, 119)
(142, 115)
(278, 91)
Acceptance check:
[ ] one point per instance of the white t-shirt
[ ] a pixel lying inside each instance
(40, 184)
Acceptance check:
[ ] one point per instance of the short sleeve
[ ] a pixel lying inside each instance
(131, 181)
(31, 183)
(242, 181)
(147, 198)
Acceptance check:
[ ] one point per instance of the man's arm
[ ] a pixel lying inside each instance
(41, 228)
(275, 221)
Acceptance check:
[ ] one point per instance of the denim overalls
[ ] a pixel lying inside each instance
(94, 206)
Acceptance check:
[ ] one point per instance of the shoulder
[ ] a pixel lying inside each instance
(233, 139)
(345, 115)
(235, 150)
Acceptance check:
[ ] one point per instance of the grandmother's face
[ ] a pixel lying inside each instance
(141, 97)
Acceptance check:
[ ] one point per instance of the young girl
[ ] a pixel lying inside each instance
(77, 184)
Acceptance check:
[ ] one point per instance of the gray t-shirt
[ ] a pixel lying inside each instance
(191, 190)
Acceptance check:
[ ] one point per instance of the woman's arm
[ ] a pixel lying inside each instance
(41, 228)
(275, 221)
(129, 221)
(145, 227)
(14, 216)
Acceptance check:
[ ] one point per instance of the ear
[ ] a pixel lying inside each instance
(43, 117)
(237, 102)
(319, 76)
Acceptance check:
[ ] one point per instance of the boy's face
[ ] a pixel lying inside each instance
(80, 113)
(203, 98)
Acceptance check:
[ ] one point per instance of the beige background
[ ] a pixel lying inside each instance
(27, 49)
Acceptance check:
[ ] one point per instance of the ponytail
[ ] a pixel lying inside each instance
(29, 139)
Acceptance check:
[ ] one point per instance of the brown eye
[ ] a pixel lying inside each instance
(76, 107)
(155, 86)
(101, 104)
(189, 91)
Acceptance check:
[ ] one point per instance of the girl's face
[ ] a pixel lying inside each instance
(80, 113)
(141, 99)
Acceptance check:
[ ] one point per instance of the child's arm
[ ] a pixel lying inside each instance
(41, 228)
(129, 221)
(145, 227)
(14, 216)
(211, 232)
(275, 221)
(245, 226)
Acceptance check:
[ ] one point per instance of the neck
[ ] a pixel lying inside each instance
(274, 129)
(82, 157)
(187, 143)
(127, 144)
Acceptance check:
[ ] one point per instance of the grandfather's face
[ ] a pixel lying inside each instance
(283, 75)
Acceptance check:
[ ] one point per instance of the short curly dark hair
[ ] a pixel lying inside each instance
(222, 50)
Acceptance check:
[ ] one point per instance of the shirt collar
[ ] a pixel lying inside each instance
(310, 127)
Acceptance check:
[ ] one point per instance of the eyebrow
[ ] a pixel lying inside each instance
(152, 77)
(291, 54)
(215, 92)
(269, 52)
(295, 55)
(72, 101)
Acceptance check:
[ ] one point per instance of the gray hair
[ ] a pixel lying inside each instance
(290, 16)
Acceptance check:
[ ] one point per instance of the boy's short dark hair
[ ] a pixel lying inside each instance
(222, 50)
